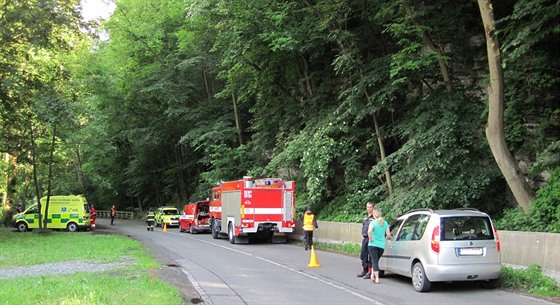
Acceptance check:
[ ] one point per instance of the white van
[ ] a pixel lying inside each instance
(65, 212)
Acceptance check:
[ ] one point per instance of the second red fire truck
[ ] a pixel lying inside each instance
(259, 208)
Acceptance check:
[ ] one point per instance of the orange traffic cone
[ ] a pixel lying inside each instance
(313, 263)
(164, 227)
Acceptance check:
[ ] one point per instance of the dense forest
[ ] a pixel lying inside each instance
(355, 100)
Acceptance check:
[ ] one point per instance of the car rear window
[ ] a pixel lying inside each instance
(466, 227)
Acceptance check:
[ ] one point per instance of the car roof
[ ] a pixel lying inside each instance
(447, 213)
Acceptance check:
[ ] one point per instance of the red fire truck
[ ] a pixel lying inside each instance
(259, 208)
(195, 217)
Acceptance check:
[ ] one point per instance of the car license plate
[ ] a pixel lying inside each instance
(469, 251)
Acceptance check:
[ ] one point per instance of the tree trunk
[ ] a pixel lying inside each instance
(495, 127)
(34, 164)
(78, 167)
(49, 179)
(382, 152)
(428, 42)
(237, 123)
(208, 85)
(139, 203)
(7, 197)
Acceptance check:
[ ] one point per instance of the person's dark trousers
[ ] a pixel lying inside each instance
(376, 254)
(308, 239)
(365, 258)
(112, 219)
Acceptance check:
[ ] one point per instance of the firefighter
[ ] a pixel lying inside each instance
(309, 224)
(150, 220)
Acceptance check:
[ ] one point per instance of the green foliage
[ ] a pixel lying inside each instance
(531, 280)
(440, 164)
(530, 42)
(185, 94)
(546, 208)
(544, 212)
(531, 23)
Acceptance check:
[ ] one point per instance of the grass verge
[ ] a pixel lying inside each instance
(125, 285)
(530, 280)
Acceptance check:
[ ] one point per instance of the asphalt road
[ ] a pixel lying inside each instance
(228, 274)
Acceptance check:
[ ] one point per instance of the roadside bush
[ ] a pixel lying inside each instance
(530, 280)
(544, 213)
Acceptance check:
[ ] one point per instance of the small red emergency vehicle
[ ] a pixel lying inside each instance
(259, 208)
(195, 217)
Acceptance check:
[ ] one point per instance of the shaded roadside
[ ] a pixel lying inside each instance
(170, 271)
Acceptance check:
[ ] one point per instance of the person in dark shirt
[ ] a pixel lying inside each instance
(113, 214)
(364, 253)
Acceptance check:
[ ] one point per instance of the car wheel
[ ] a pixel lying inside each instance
(21, 226)
(490, 284)
(72, 227)
(215, 230)
(231, 237)
(192, 230)
(420, 281)
(381, 273)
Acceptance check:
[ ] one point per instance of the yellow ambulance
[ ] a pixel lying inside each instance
(65, 212)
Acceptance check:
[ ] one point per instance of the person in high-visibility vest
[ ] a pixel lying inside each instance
(309, 224)
(150, 220)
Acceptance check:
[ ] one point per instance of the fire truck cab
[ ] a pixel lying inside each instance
(260, 208)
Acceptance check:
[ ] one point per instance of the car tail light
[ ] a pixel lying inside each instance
(497, 240)
(435, 240)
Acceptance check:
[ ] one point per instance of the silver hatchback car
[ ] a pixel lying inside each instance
(443, 246)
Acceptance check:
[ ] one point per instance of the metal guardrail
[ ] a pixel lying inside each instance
(120, 214)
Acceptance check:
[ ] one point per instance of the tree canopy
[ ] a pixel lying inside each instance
(354, 100)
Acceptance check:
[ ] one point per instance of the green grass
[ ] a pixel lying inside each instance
(126, 285)
(530, 280)
(31, 248)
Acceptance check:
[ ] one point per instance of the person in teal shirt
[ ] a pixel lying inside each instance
(378, 231)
